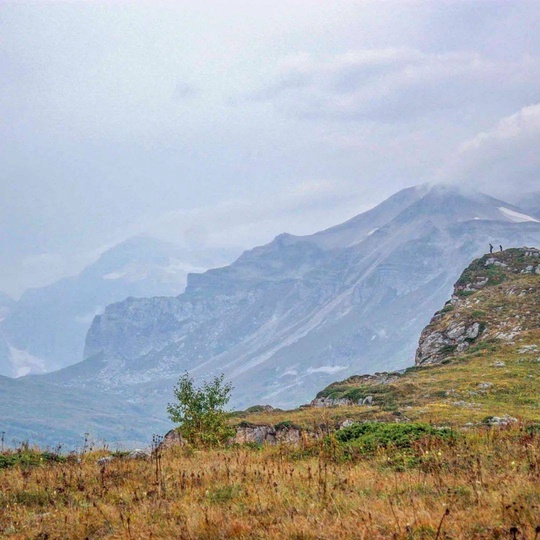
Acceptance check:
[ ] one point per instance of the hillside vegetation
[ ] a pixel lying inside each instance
(457, 454)
(413, 483)
(457, 379)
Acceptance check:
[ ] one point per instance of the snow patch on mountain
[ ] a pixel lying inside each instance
(24, 363)
(517, 217)
(327, 369)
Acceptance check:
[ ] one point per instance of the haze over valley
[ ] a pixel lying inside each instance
(279, 194)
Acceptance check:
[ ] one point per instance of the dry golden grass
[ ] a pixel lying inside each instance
(450, 394)
(482, 484)
(487, 481)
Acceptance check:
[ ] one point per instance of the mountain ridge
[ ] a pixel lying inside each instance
(285, 316)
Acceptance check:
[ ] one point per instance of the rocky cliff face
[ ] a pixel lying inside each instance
(286, 318)
(496, 298)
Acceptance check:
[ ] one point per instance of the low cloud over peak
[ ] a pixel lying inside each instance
(501, 160)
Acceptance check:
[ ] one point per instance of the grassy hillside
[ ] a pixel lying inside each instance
(416, 484)
(496, 374)
(457, 454)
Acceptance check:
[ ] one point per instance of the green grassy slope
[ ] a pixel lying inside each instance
(468, 379)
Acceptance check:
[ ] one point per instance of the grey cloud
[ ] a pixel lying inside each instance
(184, 90)
(311, 206)
(504, 159)
(394, 84)
(112, 115)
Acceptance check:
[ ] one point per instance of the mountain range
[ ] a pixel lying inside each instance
(288, 318)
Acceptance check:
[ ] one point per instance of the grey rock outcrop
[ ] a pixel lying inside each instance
(449, 334)
(261, 434)
(333, 402)
(435, 346)
(504, 420)
(171, 439)
(138, 454)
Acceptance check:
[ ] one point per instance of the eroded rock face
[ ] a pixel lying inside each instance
(435, 346)
(267, 434)
(256, 434)
(172, 438)
(461, 322)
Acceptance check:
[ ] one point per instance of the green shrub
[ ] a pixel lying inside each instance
(286, 424)
(371, 436)
(28, 458)
(200, 412)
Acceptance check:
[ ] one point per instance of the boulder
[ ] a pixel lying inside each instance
(138, 454)
(255, 434)
(261, 434)
(504, 420)
(172, 438)
(331, 402)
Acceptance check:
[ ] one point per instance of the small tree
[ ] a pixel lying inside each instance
(200, 412)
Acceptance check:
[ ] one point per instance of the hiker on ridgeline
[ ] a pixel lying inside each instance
(490, 248)
(501, 248)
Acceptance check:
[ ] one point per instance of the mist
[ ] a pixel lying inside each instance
(220, 126)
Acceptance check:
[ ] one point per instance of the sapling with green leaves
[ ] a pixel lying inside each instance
(200, 411)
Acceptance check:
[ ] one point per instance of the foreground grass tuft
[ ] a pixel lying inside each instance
(415, 482)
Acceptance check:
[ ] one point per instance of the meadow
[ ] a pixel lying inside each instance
(421, 483)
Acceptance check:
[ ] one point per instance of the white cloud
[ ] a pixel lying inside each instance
(303, 209)
(396, 83)
(504, 159)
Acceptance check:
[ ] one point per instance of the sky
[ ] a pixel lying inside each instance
(222, 124)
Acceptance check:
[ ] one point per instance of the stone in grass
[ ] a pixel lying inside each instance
(528, 349)
(368, 401)
(138, 454)
(134, 454)
(504, 420)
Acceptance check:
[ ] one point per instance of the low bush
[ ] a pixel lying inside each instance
(28, 458)
(371, 436)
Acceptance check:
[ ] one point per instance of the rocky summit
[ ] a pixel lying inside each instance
(506, 287)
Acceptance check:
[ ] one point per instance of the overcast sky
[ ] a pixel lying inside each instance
(226, 123)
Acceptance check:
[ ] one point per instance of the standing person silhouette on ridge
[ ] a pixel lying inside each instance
(490, 248)
(501, 247)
